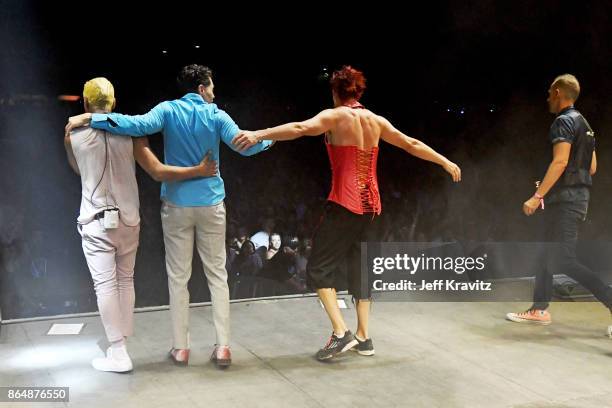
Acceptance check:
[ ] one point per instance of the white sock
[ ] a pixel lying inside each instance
(118, 344)
(360, 339)
(339, 335)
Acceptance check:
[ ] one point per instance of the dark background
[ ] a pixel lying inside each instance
(468, 78)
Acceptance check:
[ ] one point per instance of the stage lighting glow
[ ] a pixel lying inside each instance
(50, 355)
(69, 98)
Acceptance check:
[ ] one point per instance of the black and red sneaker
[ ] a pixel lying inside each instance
(337, 345)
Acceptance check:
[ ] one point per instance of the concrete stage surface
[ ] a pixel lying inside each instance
(427, 355)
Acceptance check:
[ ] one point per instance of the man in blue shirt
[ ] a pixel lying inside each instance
(192, 209)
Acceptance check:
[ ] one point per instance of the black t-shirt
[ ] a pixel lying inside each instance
(573, 185)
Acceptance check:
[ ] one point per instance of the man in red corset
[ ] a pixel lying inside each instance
(352, 134)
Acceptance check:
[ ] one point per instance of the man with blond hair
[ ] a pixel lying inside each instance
(109, 220)
(566, 187)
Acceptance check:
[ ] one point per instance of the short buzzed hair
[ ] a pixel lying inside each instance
(568, 84)
(99, 93)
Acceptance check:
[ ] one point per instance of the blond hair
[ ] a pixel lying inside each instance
(99, 93)
(568, 84)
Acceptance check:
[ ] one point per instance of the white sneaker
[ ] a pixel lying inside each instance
(117, 360)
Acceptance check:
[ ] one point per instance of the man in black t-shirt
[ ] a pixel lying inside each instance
(566, 186)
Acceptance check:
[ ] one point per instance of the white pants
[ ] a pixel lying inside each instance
(111, 255)
(205, 225)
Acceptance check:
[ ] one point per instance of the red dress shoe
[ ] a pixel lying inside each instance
(221, 356)
(179, 356)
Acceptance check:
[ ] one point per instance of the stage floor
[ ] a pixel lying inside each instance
(427, 355)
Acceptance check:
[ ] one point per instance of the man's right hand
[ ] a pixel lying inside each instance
(207, 167)
(77, 122)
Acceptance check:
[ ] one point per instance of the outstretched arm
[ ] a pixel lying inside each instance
(228, 131)
(116, 123)
(315, 126)
(417, 148)
(162, 172)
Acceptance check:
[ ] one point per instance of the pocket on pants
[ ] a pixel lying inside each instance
(219, 213)
(165, 209)
(214, 218)
(82, 230)
(221, 208)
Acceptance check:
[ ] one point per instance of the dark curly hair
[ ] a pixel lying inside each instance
(193, 76)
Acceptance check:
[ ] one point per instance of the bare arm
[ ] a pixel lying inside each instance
(315, 126)
(78, 121)
(561, 152)
(417, 148)
(593, 169)
(162, 172)
(70, 154)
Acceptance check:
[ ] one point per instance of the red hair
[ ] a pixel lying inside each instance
(348, 83)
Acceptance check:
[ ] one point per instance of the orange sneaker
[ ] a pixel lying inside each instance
(534, 316)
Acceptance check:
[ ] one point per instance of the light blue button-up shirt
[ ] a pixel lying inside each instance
(191, 127)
